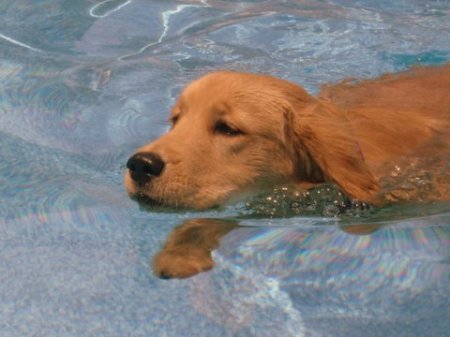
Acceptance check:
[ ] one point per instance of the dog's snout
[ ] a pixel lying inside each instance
(143, 166)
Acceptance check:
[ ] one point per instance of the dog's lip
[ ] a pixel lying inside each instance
(148, 203)
(145, 199)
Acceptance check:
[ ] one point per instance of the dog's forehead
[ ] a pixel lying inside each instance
(218, 85)
(250, 99)
(229, 84)
(232, 88)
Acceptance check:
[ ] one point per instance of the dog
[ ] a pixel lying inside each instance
(236, 134)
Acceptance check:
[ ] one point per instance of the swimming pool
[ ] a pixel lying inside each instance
(83, 83)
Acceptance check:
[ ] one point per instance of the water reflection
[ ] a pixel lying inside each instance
(363, 274)
(189, 247)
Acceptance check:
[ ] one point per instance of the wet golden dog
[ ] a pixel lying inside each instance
(234, 134)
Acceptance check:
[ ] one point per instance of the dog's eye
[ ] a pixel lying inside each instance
(225, 129)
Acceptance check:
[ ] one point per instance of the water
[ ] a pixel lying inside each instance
(83, 83)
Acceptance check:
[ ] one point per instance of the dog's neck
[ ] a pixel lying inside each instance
(307, 171)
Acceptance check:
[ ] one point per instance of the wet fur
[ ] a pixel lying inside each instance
(358, 135)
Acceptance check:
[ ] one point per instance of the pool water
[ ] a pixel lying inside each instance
(83, 83)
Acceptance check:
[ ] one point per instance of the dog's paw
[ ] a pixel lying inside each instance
(182, 262)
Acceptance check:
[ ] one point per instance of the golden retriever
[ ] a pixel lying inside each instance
(234, 134)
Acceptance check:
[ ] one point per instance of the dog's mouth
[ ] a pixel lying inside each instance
(147, 203)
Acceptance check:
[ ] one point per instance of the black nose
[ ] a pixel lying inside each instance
(143, 166)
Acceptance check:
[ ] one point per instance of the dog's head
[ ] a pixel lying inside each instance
(234, 134)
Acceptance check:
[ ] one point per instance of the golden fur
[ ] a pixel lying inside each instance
(234, 134)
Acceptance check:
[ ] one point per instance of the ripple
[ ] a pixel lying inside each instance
(406, 60)
(37, 180)
(107, 7)
(18, 43)
(34, 103)
(129, 122)
(253, 303)
(166, 16)
(325, 200)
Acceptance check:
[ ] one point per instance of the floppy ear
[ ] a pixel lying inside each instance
(325, 149)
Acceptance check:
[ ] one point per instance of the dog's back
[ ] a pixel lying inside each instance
(421, 89)
(402, 123)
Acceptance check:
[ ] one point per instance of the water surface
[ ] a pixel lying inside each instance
(83, 83)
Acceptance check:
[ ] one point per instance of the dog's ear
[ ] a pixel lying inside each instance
(325, 149)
